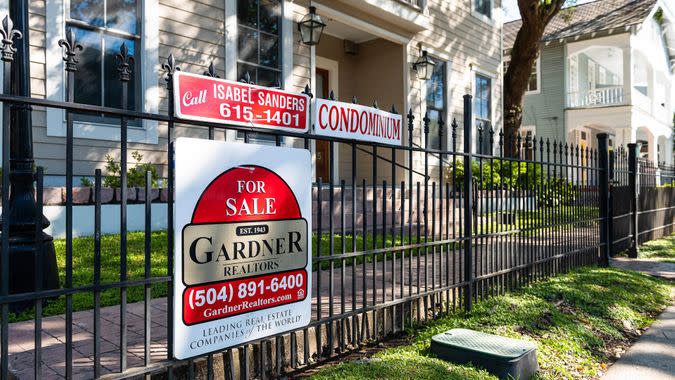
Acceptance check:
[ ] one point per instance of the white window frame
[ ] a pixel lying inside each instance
(528, 128)
(537, 63)
(493, 81)
(489, 20)
(287, 35)
(146, 132)
(447, 59)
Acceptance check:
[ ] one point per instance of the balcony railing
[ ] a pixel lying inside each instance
(598, 97)
(642, 101)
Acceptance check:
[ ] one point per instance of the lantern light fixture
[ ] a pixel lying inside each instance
(424, 66)
(311, 27)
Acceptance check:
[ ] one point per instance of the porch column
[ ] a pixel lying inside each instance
(653, 150)
(627, 74)
(667, 150)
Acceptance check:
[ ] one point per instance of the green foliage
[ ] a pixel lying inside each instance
(86, 182)
(511, 175)
(578, 319)
(135, 174)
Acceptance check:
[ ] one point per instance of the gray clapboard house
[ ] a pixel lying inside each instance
(367, 52)
(604, 66)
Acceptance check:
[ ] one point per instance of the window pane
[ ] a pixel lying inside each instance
(89, 11)
(88, 75)
(248, 45)
(270, 16)
(436, 87)
(532, 85)
(121, 14)
(113, 86)
(269, 50)
(247, 12)
(483, 7)
(482, 101)
(268, 78)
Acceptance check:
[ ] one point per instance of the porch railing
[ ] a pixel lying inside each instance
(598, 97)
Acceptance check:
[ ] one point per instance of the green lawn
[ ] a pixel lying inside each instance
(578, 320)
(83, 266)
(662, 249)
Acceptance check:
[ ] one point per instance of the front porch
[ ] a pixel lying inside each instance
(625, 125)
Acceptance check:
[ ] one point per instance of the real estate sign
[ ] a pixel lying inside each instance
(203, 98)
(242, 244)
(354, 121)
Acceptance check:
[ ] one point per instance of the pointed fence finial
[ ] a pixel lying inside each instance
(125, 61)
(308, 91)
(331, 95)
(246, 78)
(211, 72)
(170, 68)
(70, 54)
(441, 124)
(8, 34)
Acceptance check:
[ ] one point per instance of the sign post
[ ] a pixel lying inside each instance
(243, 244)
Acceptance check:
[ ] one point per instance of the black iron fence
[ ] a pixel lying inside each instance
(643, 200)
(387, 255)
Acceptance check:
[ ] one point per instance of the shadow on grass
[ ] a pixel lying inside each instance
(579, 320)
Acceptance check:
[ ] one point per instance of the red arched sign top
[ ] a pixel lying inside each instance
(245, 194)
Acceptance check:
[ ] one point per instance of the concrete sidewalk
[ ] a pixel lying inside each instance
(652, 357)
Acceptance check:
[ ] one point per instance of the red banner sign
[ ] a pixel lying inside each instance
(215, 301)
(203, 98)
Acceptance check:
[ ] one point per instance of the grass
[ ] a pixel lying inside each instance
(544, 219)
(661, 250)
(83, 266)
(579, 321)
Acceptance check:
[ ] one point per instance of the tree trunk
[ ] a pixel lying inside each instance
(523, 56)
(535, 14)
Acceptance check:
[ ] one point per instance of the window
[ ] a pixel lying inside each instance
(102, 27)
(258, 43)
(435, 102)
(527, 135)
(533, 82)
(483, 112)
(483, 7)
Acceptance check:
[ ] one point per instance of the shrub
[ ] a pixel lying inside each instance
(86, 182)
(512, 175)
(135, 173)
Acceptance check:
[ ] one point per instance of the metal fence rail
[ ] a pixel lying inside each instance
(643, 200)
(415, 246)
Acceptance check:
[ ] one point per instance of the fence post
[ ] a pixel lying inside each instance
(603, 161)
(633, 185)
(468, 215)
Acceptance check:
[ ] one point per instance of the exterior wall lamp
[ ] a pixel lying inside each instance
(311, 27)
(424, 66)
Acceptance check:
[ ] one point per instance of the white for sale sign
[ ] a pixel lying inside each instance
(243, 263)
(354, 121)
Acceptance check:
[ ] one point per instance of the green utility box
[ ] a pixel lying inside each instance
(504, 357)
